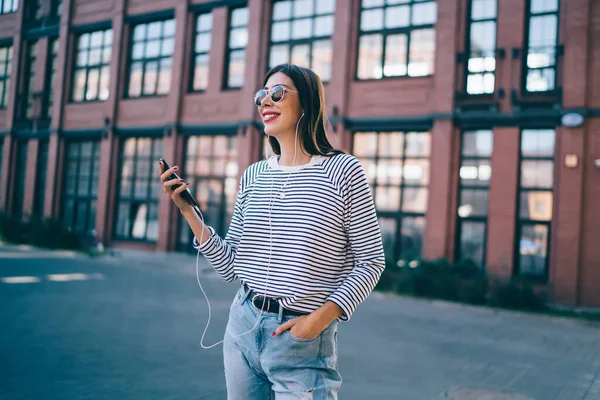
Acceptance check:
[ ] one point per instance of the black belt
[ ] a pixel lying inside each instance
(269, 304)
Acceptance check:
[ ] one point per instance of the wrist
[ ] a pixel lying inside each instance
(327, 313)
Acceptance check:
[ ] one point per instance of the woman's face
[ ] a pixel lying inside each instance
(281, 117)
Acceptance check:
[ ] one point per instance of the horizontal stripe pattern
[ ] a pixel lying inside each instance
(320, 242)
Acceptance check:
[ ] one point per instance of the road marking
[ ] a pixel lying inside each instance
(38, 254)
(20, 279)
(73, 277)
(53, 278)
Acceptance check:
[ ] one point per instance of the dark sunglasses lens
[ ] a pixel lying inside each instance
(277, 93)
(259, 96)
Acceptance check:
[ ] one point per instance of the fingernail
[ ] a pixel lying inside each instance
(175, 168)
(181, 180)
(187, 184)
(274, 334)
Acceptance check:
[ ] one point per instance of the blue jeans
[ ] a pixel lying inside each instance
(259, 366)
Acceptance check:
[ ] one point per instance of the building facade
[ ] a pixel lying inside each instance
(465, 114)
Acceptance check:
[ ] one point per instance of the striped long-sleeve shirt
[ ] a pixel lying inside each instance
(318, 238)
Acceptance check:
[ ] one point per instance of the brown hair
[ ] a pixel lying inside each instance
(313, 127)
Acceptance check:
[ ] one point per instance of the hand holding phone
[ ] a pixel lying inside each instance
(186, 195)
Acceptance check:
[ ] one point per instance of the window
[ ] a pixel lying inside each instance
(542, 41)
(19, 192)
(201, 51)
(26, 111)
(137, 209)
(80, 187)
(151, 58)
(535, 202)
(1, 152)
(474, 184)
(40, 179)
(301, 34)
(397, 38)
(211, 168)
(5, 67)
(236, 53)
(481, 47)
(51, 77)
(397, 167)
(8, 6)
(92, 66)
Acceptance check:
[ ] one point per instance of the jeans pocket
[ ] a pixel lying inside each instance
(239, 298)
(303, 340)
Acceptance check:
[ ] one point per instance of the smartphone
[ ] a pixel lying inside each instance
(186, 195)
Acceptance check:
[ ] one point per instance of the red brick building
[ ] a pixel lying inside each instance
(456, 109)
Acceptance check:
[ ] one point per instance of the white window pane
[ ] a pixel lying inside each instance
(96, 39)
(540, 6)
(203, 42)
(167, 47)
(92, 84)
(371, 20)
(169, 28)
(483, 9)
(369, 57)
(164, 79)
(280, 31)
(205, 22)
(152, 48)
(238, 38)
(325, 6)
(279, 55)
(303, 8)
(397, 16)
(138, 51)
(84, 41)
(321, 59)
(422, 52)
(282, 10)
(104, 83)
(201, 72)
(139, 32)
(425, 13)
(302, 28)
(240, 17)
(135, 80)
(324, 25)
(154, 30)
(395, 56)
(79, 85)
(301, 55)
(150, 78)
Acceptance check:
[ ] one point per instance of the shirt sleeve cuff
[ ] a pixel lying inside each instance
(206, 245)
(346, 311)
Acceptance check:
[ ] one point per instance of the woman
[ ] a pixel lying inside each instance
(305, 243)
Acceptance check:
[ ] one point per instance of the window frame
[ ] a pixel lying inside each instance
(483, 219)
(399, 215)
(14, 6)
(145, 60)
(525, 222)
(526, 49)
(385, 32)
(226, 73)
(87, 68)
(290, 43)
(130, 197)
(194, 54)
(466, 73)
(47, 100)
(5, 80)
(89, 198)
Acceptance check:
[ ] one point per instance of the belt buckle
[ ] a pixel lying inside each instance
(268, 300)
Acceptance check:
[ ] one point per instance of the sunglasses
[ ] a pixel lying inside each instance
(277, 94)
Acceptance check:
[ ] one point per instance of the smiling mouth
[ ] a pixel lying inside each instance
(269, 117)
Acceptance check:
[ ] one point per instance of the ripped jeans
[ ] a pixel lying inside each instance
(259, 366)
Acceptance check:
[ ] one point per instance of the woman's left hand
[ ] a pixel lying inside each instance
(303, 327)
(310, 326)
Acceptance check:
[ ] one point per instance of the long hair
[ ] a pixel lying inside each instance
(313, 127)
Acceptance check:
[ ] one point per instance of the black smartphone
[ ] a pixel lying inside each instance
(186, 195)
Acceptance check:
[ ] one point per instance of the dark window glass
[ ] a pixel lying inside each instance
(236, 53)
(40, 179)
(542, 41)
(80, 187)
(137, 206)
(301, 33)
(19, 192)
(8, 6)
(481, 47)
(397, 38)
(26, 95)
(5, 69)
(211, 168)
(536, 199)
(91, 76)
(397, 168)
(151, 58)
(202, 45)
(474, 183)
(51, 68)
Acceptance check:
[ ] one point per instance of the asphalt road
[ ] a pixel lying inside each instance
(129, 327)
